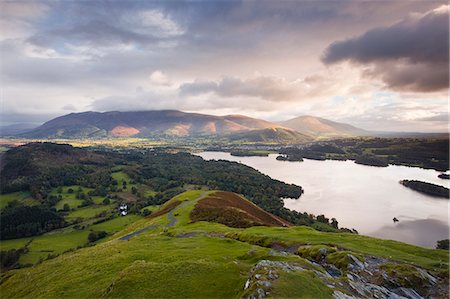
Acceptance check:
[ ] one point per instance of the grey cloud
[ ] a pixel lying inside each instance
(11, 118)
(444, 117)
(267, 88)
(69, 107)
(418, 45)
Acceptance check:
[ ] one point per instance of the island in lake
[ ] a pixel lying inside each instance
(426, 188)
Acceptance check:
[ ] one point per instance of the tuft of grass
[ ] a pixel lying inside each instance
(316, 253)
(341, 259)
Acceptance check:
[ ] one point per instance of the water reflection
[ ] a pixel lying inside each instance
(422, 232)
(362, 197)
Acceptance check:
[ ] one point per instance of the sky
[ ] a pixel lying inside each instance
(379, 65)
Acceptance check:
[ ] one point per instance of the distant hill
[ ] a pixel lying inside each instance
(272, 135)
(166, 123)
(320, 127)
(11, 130)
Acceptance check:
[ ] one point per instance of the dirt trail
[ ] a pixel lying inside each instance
(170, 216)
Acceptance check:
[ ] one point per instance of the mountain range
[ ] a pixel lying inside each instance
(178, 124)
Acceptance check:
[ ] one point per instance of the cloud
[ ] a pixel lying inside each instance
(198, 56)
(439, 117)
(101, 29)
(16, 18)
(409, 55)
(159, 78)
(263, 87)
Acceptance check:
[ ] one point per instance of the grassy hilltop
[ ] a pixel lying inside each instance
(175, 257)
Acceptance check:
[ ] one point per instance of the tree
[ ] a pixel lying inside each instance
(92, 237)
(334, 223)
(106, 201)
(146, 212)
(70, 191)
(322, 218)
(66, 207)
(60, 189)
(443, 244)
(134, 190)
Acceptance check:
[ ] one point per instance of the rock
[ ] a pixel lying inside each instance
(408, 293)
(340, 295)
(355, 263)
(322, 275)
(333, 271)
(369, 290)
(323, 251)
(265, 284)
(431, 279)
(247, 284)
(261, 293)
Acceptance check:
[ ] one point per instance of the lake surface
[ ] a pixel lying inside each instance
(363, 197)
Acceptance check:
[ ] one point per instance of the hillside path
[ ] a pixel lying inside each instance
(170, 216)
(171, 213)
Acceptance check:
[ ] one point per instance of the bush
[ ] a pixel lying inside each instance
(106, 201)
(443, 244)
(94, 235)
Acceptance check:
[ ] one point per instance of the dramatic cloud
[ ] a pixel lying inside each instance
(412, 54)
(223, 57)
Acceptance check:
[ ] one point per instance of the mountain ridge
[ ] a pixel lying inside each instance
(179, 124)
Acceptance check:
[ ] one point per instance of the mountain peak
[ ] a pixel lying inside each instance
(321, 127)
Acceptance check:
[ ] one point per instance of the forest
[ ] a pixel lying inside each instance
(425, 153)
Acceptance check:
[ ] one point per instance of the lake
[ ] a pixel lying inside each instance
(363, 197)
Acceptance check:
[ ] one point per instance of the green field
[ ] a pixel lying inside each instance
(88, 212)
(13, 244)
(53, 243)
(22, 197)
(69, 198)
(122, 176)
(116, 224)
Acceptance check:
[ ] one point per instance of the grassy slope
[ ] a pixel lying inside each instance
(165, 263)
